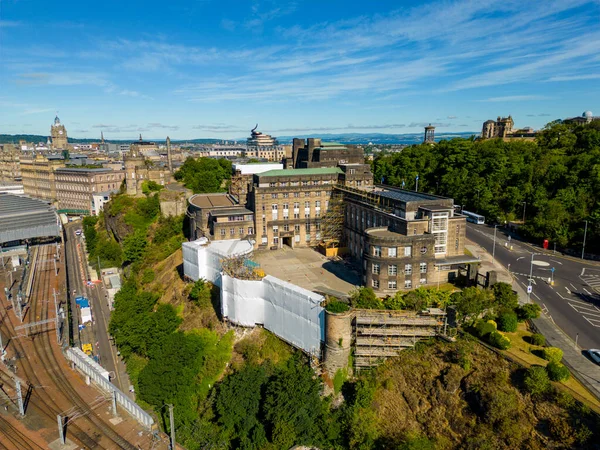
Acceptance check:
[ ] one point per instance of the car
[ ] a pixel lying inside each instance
(594, 354)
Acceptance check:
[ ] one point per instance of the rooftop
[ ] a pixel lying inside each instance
(301, 172)
(212, 200)
(436, 208)
(24, 217)
(231, 211)
(83, 170)
(406, 196)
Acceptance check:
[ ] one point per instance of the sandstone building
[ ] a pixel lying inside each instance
(58, 134)
(138, 168)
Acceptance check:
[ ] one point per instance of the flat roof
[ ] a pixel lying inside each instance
(301, 172)
(437, 207)
(229, 211)
(406, 196)
(217, 200)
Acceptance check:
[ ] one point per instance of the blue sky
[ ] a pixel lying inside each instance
(214, 68)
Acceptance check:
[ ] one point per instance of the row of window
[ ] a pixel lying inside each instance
(241, 231)
(392, 252)
(297, 194)
(392, 284)
(297, 183)
(393, 268)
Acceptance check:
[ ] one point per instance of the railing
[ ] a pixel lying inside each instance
(83, 365)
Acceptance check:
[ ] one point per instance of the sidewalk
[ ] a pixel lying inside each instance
(582, 368)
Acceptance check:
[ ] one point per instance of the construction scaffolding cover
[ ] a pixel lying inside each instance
(86, 315)
(289, 311)
(202, 258)
(23, 217)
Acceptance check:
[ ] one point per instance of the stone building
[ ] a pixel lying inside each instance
(265, 146)
(10, 167)
(138, 168)
(243, 176)
(75, 188)
(219, 217)
(38, 175)
(404, 239)
(315, 153)
(58, 134)
(585, 118)
(429, 136)
(502, 128)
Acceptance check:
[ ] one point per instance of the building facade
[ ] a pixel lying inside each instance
(313, 152)
(219, 217)
(10, 167)
(38, 175)
(76, 188)
(265, 146)
(139, 169)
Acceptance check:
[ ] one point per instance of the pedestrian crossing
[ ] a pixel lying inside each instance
(592, 281)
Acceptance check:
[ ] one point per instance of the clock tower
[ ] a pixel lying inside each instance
(58, 133)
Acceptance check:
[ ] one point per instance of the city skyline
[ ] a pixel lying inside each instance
(213, 69)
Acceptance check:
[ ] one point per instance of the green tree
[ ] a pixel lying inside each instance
(134, 246)
(504, 297)
(528, 311)
(498, 340)
(471, 302)
(201, 293)
(365, 298)
(507, 321)
(150, 186)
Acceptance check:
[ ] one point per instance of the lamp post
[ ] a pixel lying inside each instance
(494, 247)
(524, 206)
(529, 288)
(584, 236)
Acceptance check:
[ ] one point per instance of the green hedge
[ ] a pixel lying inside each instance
(553, 354)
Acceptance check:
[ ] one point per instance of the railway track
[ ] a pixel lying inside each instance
(15, 439)
(44, 349)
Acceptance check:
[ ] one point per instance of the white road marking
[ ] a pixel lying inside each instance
(587, 292)
(535, 295)
(577, 301)
(520, 257)
(577, 308)
(582, 272)
(591, 322)
(574, 288)
(568, 291)
(557, 262)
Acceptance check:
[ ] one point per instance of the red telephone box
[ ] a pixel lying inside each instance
(545, 243)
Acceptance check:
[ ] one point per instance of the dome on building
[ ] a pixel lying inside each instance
(587, 115)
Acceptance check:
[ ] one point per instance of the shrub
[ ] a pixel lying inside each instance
(336, 306)
(557, 371)
(528, 311)
(498, 340)
(553, 354)
(536, 380)
(504, 296)
(538, 339)
(507, 322)
(365, 297)
(394, 303)
(493, 323)
(482, 328)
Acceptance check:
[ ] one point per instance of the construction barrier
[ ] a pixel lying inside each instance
(99, 376)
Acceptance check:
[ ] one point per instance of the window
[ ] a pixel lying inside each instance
(376, 268)
(273, 195)
(376, 250)
(456, 245)
(392, 252)
(407, 284)
(276, 240)
(275, 229)
(414, 231)
(392, 269)
(318, 193)
(375, 284)
(223, 231)
(296, 229)
(286, 227)
(286, 206)
(296, 215)
(307, 204)
(264, 240)
(250, 230)
(296, 194)
(274, 206)
(408, 269)
(296, 205)
(392, 284)
(241, 231)
(271, 184)
(407, 251)
(286, 195)
(423, 281)
(305, 183)
(307, 238)
(317, 204)
(232, 231)
(307, 227)
(264, 230)
(423, 267)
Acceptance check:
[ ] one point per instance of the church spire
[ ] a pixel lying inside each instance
(102, 137)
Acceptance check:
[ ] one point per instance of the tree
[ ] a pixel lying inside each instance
(507, 322)
(498, 340)
(150, 186)
(557, 371)
(471, 302)
(528, 311)
(365, 298)
(538, 339)
(504, 297)
(483, 328)
(554, 354)
(536, 380)
(201, 293)
(134, 246)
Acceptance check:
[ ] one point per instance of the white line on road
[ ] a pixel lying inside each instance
(577, 301)
(591, 322)
(582, 272)
(574, 288)
(557, 262)
(587, 292)
(536, 296)
(520, 257)
(577, 308)
(568, 291)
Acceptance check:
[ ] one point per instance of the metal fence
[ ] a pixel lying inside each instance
(83, 363)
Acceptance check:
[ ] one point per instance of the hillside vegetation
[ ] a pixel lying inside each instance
(558, 177)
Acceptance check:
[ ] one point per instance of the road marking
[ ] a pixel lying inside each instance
(535, 295)
(568, 291)
(557, 262)
(582, 272)
(587, 292)
(574, 288)
(520, 257)
(591, 322)
(577, 308)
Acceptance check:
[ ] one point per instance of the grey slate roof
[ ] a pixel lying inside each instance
(24, 217)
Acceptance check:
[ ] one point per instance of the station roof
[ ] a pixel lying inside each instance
(24, 217)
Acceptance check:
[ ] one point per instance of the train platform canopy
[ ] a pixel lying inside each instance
(23, 217)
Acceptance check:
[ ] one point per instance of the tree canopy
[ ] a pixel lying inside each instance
(204, 174)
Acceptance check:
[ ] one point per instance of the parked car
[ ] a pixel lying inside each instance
(594, 354)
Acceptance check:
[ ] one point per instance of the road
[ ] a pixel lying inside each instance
(573, 302)
(103, 346)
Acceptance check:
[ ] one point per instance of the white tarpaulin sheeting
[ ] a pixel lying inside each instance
(289, 311)
(202, 258)
(86, 315)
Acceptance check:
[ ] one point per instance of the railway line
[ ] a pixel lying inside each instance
(89, 430)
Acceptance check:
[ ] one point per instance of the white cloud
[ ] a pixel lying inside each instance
(515, 98)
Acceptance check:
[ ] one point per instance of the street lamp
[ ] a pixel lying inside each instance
(524, 206)
(494, 247)
(584, 236)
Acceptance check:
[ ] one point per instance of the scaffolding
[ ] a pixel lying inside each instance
(242, 267)
(332, 223)
(382, 334)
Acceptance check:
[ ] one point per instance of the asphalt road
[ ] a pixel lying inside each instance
(573, 302)
(96, 294)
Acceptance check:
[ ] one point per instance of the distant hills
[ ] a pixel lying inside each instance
(346, 138)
